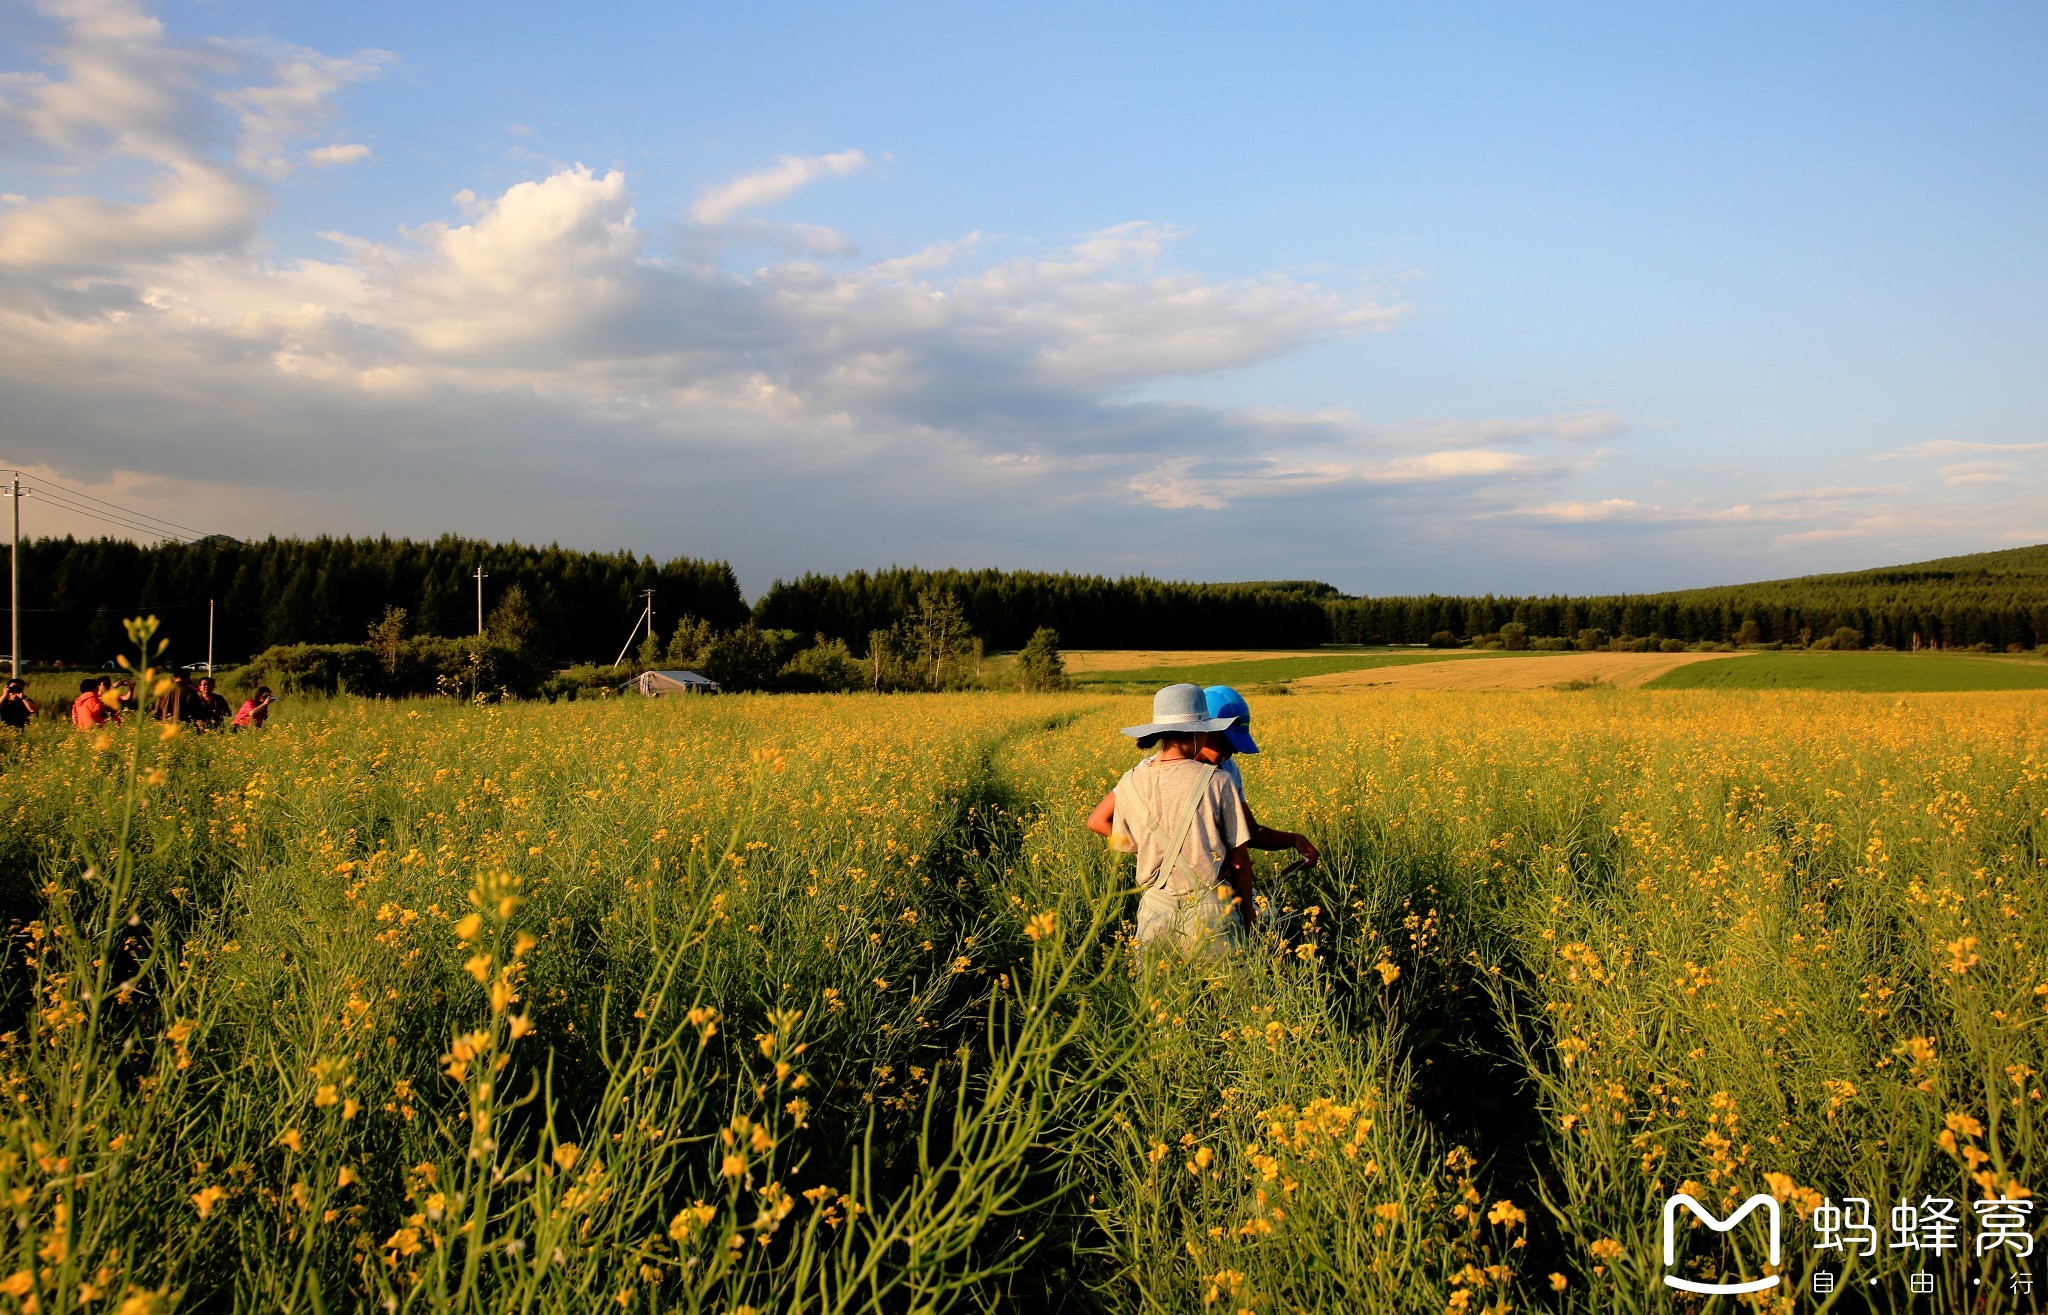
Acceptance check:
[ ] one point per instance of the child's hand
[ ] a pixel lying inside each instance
(1307, 849)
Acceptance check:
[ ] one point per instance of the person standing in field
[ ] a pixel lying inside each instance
(208, 710)
(1186, 822)
(175, 703)
(252, 714)
(1222, 747)
(17, 709)
(89, 711)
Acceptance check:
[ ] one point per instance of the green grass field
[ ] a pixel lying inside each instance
(1266, 671)
(1865, 673)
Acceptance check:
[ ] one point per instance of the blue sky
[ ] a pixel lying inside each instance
(1403, 297)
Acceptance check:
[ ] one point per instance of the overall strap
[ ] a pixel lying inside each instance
(1175, 844)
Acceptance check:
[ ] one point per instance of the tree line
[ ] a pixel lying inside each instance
(1997, 599)
(902, 627)
(76, 593)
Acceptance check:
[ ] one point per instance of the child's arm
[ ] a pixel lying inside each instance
(1104, 815)
(1265, 837)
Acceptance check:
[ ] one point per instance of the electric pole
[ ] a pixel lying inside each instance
(209, 636)
(647, 615)
(479, 602)
(14, 576)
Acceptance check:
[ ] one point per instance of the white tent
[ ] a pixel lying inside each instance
(654, 684)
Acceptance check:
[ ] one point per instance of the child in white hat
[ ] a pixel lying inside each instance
(1186, 822)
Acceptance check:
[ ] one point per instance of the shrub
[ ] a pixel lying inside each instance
(1514, 636)
(827, 666)
(1443, 639)
(1671, 646)
(1550, 644)
(1847, 639)
(1039, 664)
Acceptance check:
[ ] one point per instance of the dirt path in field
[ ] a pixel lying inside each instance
(1138, 659)
(1622, 670)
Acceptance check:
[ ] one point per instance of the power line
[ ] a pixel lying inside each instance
(127, 518)
(141, 527)
(129, 511)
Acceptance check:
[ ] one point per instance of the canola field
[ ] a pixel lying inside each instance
(825, 1003)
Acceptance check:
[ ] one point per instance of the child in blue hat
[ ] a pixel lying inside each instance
(1222, 747)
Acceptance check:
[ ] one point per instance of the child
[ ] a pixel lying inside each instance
(1222, 747)
(1186, 822)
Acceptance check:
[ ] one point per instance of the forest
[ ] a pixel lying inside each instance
(578, 605)
(76, 592)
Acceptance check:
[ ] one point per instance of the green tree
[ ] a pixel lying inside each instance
(387, 636)
(828, 665)
(938, 636)
(1514, 636)
(1039, 663)
(510, 624)
(687, 646)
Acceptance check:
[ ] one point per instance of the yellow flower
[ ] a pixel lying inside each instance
(1389, 972)
(479, 967)
(565, 1156)
(203, 1200)
(470, 927)
(1041, 924)
(1558, 1282)
(290, 1139)
(1606, 1249)
(1506, 1212)
(18, 1283)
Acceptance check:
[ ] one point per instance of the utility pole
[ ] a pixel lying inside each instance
(647, 615)
(479, 602)
(209, 636)
(14, 576)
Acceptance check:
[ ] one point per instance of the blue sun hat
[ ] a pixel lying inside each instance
(1224, 701)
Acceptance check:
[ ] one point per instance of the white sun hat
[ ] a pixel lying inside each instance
(1179, 710)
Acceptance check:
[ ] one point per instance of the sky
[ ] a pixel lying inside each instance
(1408, 298)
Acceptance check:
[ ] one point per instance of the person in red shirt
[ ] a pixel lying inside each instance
(89, 711)
(252, 712)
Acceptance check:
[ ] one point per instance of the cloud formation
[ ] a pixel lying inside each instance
(550, 348)
(789, 174)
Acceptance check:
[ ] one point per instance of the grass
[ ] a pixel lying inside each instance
(1869, 673)
(1264, 671)
(828, 1003)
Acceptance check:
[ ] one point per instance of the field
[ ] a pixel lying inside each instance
(1870, 673)
(1241, 668)
(824, 1003)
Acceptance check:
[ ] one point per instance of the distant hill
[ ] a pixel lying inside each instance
(1996, 598)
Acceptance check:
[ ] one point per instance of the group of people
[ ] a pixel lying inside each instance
(1182, 812)
(102, 700)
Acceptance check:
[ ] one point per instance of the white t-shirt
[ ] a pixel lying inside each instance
(1162, 790)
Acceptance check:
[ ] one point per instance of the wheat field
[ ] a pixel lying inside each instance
(826, 1003)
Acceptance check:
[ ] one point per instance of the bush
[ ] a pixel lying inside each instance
(1039, 664)
(586, 681)
(1443, 639)
(827, 666)
(421, 665)
(1847, 639)
(1591, 640)
(1514, 636)
(1551, 644)
(1671, 646)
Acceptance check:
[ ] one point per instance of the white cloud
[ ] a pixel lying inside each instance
(325, 157)
(1950, 447)
(767, 186)
(207, 122)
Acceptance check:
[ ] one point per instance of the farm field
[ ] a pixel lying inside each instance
(1873, 673)
(824, 1003)
(1245, 668)
(1508, 671)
